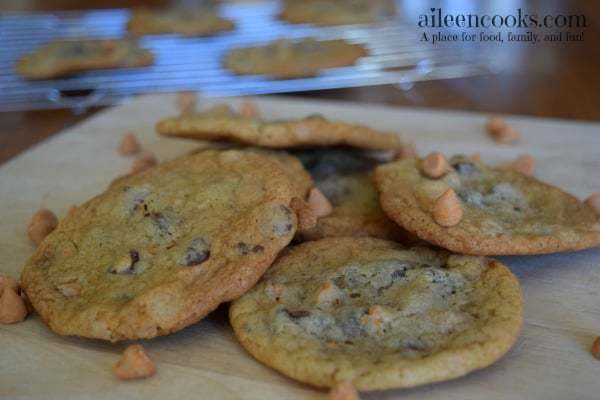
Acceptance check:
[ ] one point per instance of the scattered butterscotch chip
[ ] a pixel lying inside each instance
(12, 306)
(142, 162)
(248, 109)
(134, 364)
(7, 281)
(307, 218)
(407, 150)
(476, 157)
(596, 348)
(501, 131)
(344, 391)
(128, 145)
(435, 165)
(42, 223)
(71, 210)
(319, 203)
(447, 210)
(594, 202)
(524, 164)
(186, 102)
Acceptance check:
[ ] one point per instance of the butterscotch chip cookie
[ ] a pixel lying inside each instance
(502, 210)
(221, 123)
(379, 315)
(65, 57)
(335, 12)
(344, 177)
(159, 250)
(285, 58)
(204, 21)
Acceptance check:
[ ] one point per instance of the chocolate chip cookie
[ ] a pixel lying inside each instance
(65, 57)
(503, 211)
(285, 58)
(336, 12)
(162, 248)
(377, 314)
(185, 21)
(344, 177)
(222, 123)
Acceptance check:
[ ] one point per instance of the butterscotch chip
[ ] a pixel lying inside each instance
(42, 223)
(134, 364)
(319, 203)
(186, 102)
(524, 164)
(12, 307)
(447, 210)
(307, 218)
(248, 109)
(594, 202)
(496, 124)
(596, 348)
(128, 144)
(7, 281)
(435, 165)
(476, 157)
(344, 391)
(501, 131)
(143, 162)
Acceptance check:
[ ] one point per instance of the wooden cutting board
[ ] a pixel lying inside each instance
(551, 360)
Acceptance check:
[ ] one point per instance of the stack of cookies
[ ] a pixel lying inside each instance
(347, 260)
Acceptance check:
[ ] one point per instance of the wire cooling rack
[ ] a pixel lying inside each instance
(396, 56)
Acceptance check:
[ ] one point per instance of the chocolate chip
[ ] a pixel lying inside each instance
(295, 314)
(126, 264)
(283, 225)
(399, 273)
(354, 295)
(246, 248)
(464, 167)
(197, 252)
(160, 221)
(351, 325)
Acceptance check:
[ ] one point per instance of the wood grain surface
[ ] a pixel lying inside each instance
(551, 359)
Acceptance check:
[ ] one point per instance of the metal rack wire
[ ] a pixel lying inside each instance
(184, 63)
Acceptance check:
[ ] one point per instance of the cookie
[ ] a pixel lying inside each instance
(377, 314)
(344, 177)
(503, 211)
(188, 22)
(222, 123)
(285, 58)
(335, 12)
(162, 248)
(65, 57)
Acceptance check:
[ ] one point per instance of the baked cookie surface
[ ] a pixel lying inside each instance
(377, 314)
(335, 12)
(504, 212)
(65, 57)
(185, 21)
(344, 177)
(284, 58)
(162, 248)
(222, 123)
